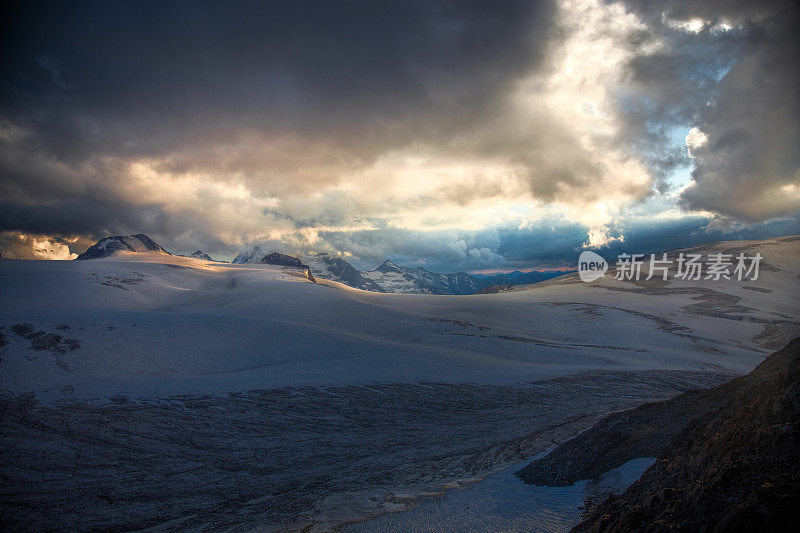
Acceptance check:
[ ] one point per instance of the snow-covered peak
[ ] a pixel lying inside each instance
(335, 268)
(388, 266)
(392, 278)
(139, 243)
(249, 256)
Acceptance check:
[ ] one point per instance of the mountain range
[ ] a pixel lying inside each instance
(388, 277)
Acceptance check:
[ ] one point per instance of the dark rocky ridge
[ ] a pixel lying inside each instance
(640, 432)
(388, 266)
(346, 273)
(278, 259)
(201, 255)
(283, 260)
(728, 457)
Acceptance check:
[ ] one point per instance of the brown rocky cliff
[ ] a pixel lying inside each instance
(736, 470)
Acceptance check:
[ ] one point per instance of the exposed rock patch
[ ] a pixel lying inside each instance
(735, 470)
(340, 270)
(201, 255)
(42, 341)
(278, 259)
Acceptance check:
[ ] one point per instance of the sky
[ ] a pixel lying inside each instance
(458, 136)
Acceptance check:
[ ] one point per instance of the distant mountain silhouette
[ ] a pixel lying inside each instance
(393, 278)
(201, 255)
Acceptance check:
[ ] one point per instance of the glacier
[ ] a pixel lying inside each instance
(151, 390)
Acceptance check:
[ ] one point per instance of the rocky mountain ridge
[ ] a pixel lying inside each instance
(397, 279)
(279, 259)
(388, 277)
(201, 255)
(335, 268)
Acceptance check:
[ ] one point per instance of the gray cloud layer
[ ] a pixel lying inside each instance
(750, 166)
(285, 97)
(353, 126)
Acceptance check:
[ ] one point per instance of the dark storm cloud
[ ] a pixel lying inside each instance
(735, 76)
(359, 126)
(648, 237)
(750, 167)
(283, 97)
(144, 78)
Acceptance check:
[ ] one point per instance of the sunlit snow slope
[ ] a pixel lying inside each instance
(152, 324)
(148, 390)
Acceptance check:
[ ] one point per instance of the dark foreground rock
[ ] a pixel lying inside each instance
(736, 471)
(641, 432)
(733, 464)
(41, 340)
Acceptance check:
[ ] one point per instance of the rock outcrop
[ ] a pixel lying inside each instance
(278, 259)
(728, 457)
(201, 255)
(337, 269)
(283, 260)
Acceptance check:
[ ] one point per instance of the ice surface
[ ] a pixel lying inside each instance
(163, 388)
(502, 502)
(289, 457)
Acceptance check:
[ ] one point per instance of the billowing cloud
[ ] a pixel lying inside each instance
(422, 131)
(745, 134)
(25, 246)
(695, 140)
